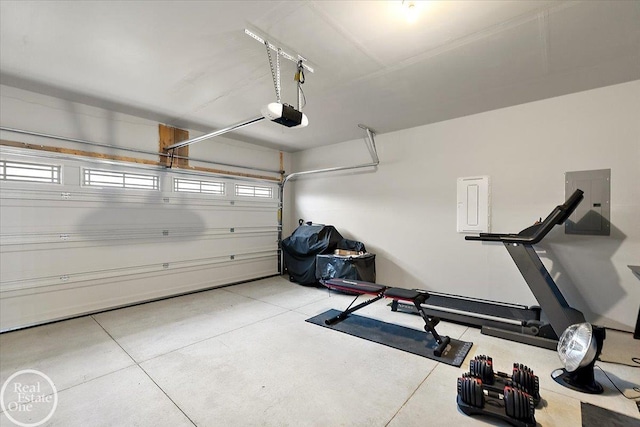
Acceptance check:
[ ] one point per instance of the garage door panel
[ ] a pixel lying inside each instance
(71, 248)
(34, 306)
(80, 261)
(32, 263)
(22, 216)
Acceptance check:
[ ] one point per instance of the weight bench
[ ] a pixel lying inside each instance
(379, 292)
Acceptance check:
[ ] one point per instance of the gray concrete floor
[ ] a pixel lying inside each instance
(244, 356)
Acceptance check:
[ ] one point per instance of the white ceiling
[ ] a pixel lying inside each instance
(190, 64)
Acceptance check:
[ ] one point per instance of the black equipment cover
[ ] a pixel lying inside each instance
(361, 267)
(307, 241)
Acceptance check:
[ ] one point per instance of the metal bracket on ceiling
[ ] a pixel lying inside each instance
(371, 143)
(371, 146)
(281, 52)
(275, 71)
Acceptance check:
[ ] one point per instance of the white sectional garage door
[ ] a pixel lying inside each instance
(79, 236)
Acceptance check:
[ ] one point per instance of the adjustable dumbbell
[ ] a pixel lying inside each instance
(512, 401)
(525, 377)
(482, 367)
(518, 404)
(470, 391)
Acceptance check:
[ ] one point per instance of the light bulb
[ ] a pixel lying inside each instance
(410, 11)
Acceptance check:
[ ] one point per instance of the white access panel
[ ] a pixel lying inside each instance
(70, 248)
(473, 195)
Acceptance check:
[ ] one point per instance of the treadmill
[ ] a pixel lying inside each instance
(540, 326)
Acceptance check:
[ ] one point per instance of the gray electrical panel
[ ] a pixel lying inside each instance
(592, 216)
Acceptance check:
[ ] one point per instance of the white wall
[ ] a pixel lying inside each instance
(405, 212)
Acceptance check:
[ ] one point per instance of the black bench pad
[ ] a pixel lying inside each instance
(355, 286)
(403, 294)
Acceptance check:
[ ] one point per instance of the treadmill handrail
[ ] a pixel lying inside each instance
(557, 216)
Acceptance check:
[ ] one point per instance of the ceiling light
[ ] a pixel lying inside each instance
(410, 9)
(578, 348)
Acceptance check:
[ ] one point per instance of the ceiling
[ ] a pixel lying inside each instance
(190, 64)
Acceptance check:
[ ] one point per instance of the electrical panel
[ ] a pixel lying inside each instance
(592, 216)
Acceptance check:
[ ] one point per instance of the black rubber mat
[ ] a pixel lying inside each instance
(396, 336)
(595, 416)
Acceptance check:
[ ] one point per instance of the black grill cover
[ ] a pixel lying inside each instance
(307, 241)
(361, 267)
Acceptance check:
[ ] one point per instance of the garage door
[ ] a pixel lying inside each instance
(78, 235)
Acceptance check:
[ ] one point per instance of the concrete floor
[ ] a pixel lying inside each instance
(244, 356)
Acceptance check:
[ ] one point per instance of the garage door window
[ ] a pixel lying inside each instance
(197, 186)
(30, 172)
(254, 191)
(103, 178)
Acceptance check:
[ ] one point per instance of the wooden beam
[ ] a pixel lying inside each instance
(180, 135)
(219, 171)
(74, 152)
(168, 136)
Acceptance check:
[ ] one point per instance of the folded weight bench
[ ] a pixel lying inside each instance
(379, 292)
